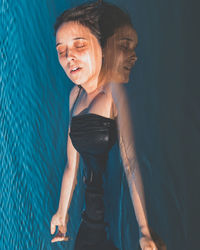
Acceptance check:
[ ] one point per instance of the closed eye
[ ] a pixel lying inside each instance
(61, 53)
(124, 47)
(80, 46)
(61, 49)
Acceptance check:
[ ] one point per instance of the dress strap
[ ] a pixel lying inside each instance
(80, 88)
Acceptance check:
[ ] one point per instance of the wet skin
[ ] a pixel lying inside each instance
(79, 53)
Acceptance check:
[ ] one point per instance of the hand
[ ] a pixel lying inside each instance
(146, 243)
(61, 222)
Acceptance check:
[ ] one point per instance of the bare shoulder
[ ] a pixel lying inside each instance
(72, 96)
(108, 90)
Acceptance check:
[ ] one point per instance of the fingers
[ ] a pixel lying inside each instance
(147, 244)
(55, 239)
(56, 222)
(60, 237)
(150, 248)
(62, 229)
(53, 228)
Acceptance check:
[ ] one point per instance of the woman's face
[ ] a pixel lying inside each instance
(79, 52)
(119, 54)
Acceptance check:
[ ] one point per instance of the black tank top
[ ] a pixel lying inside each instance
(93, 136)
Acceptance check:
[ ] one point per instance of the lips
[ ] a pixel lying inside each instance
(130, 64)
(128, 68)
(134, 58)
(74, 69)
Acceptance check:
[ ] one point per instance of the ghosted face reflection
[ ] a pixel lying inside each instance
(119, 54)
(79, 52)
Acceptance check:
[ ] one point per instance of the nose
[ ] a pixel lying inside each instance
(133, 56)
(70, 55)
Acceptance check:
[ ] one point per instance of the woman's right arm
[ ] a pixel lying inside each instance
(69, 181)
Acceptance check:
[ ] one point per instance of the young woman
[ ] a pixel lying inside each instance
(96, 108)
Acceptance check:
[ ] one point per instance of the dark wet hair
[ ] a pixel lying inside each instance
(101, 18)
(112, 18)
(85, 14)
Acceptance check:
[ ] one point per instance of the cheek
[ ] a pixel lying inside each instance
(62, 61)
(119, 57)
(94, 60)
(98, 59)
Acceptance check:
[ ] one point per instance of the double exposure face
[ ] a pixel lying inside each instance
(119, 54)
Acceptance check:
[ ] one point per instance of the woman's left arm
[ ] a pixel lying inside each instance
(130, 163)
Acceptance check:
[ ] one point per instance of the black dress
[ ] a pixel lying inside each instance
(93, 136)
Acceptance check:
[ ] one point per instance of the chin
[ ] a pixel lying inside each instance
(124, 80)
(121, 77)
(77, 82)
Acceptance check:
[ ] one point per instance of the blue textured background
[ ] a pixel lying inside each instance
(164, 96)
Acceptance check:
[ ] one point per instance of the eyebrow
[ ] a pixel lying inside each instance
(126, 39)
(76, 38)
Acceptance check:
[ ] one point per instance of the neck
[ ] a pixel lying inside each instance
(104, 76)
(91, 86)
